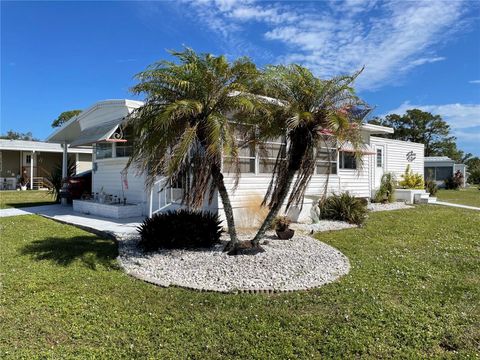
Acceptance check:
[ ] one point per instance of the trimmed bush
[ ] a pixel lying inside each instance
(183, 229)
(344, 207)
(386, 190)
(431, 187)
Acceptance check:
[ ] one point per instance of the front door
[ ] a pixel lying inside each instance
(27, 159)
(379, 164)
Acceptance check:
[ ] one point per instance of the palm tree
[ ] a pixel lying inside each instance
(183, 127)
(311, 112)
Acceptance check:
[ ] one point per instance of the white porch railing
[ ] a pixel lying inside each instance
(166, 196)
(41, 183)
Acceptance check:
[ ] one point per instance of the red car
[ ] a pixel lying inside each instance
(77, 185)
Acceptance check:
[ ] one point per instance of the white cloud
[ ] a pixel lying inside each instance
(422, 61)
(474, 81)
(389, 38)
(468, 136)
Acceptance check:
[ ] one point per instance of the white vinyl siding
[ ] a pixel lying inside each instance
(395, 156)
(83, 163)
(108, 177)
(255, 186)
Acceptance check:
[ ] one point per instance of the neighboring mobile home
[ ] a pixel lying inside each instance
(102, 126)
(35, 160)
(440, 168)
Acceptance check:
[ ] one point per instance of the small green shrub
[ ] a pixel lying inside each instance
(56, 179)
(386, 191)
(411, 180)
(343, 207)
(180, 229)
(431, 187)
(454, 182)
(281, 223)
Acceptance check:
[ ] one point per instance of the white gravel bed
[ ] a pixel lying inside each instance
(388, 206)
(322, 225)
(286, 265)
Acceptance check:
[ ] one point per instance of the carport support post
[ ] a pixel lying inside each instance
(64, 167)
(31, 169)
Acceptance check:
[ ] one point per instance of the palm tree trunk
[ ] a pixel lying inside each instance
(282, 195)
(227, 208)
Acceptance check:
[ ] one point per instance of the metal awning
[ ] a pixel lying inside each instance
(365, 149)
(97, 133)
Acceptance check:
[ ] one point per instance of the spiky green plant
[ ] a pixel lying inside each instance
(183, 126)
(411, 180)
(343, 207)
(310, 111)
(56, 180)
(386, 191)
(431, 187)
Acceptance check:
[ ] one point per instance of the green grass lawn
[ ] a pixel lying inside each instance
(468, 196)
(13, 198)
(413, 292)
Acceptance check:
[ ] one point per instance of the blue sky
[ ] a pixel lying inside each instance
(57, 56)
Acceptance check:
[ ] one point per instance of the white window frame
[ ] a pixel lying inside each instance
(242, 157)
(260, 158)
(105, 158)
(341, 161)
(335, 160)
(381, 157)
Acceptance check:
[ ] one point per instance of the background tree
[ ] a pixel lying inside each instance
(14, 135)
(473, 168)
(308, 111)
(183, 126)
(449, 148)
(423, 127)
(64, 117)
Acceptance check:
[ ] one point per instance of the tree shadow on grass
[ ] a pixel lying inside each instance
(17, 205)
(90, 250)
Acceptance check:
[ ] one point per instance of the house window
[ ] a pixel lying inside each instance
(124, 149)
(246, 160)
(347, 160)
(429, 173)
(443, 172)
(246, 153)
(268, 154)
(379, 157)
(103, 150)
(326, 157)
(28, 159)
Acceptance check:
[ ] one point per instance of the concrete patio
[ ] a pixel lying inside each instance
(65, 214)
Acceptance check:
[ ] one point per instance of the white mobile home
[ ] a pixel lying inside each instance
(101, 126)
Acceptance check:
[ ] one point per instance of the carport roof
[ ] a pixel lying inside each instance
(40, 146)
(97, 123)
